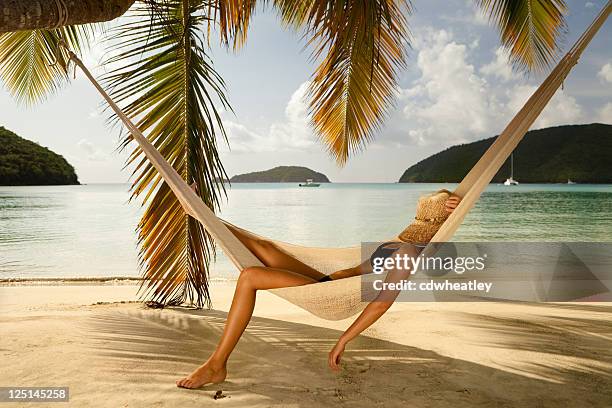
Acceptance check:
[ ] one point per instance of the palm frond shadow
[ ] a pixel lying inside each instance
(592, 307)
(156, 347)
(581, 346)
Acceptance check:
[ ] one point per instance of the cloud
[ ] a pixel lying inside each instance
(561, 110)
(92, 152)
(499, 67)
(457, 93)
(589, 4)
(479, 17)
(605, 114)
(454, 101)
(449, 101)
(293, 133)
(605, 73)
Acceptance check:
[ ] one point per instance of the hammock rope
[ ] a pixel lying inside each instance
(62, 14)
(339, 299)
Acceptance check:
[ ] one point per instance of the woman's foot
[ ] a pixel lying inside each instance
(205, 374)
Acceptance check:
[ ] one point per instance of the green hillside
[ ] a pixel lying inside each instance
(23, 162)
(582, 153)
(281, 174)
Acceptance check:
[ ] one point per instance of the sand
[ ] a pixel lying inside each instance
(418, 355)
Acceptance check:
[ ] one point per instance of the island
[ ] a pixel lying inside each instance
(281, 174)
(561, 154)
(25, 163)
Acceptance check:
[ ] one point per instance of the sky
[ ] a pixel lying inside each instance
(457, 88)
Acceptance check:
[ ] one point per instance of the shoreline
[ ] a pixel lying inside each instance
(86, 281)
(70, 279)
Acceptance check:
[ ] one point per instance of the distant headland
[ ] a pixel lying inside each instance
(25, 163)
(580, 153)
(281, 174)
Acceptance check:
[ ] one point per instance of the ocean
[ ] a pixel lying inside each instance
(90, 230)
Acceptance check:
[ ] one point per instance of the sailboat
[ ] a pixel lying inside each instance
(511, 181)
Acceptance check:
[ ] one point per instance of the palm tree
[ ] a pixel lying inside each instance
(165, 81)
(30, 15)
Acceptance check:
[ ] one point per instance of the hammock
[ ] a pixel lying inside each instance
(339, 299)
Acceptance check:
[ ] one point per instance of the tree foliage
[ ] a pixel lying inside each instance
(580, 153)
(25, 163)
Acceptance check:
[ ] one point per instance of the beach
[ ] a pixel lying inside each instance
(111, 351)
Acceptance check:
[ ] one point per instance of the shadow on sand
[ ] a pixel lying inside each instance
(280, 363)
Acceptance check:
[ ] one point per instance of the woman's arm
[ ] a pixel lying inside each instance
(362, 269)
(373, 311)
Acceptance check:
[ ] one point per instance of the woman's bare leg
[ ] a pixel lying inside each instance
(270, 254)
(251, 280)
(273, 256)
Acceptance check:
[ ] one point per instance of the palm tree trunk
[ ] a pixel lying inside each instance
(18, 15)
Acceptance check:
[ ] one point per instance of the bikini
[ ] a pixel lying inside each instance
(384, 251)
(387, 249)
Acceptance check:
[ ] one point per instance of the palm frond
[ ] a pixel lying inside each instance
(33, 66)
(362, 47)
(530, 29)
(233, 17)
(166, 84)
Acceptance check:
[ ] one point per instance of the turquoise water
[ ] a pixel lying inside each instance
(89, 231)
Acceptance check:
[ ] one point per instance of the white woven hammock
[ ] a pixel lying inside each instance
(339, 299)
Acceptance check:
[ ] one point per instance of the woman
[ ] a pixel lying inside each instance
(283, 270)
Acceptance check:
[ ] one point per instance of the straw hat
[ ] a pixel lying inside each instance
(430, 215)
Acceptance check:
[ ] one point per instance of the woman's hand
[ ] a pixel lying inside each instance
(452, 203)
(335, 355)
